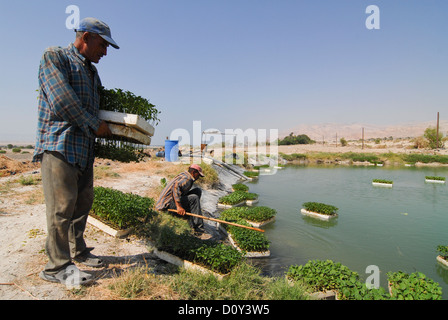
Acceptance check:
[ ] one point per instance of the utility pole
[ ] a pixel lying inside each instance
(363, 138)
(437, 133)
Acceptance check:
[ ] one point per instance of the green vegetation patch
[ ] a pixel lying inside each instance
(320, 208)
(255, 214)
(382, 181)
(414, 286)
(172, 234)
(121, 209)
(237, 197)
(240, 187)
(435, 178)
(247, 239)
(425, 158)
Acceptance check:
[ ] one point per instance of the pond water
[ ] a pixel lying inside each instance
(396, 229)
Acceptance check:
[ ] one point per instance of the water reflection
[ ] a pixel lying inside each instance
(320, 223)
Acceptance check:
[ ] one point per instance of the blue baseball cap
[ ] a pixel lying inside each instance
(99, 27)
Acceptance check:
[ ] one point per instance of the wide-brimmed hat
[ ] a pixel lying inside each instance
(94, 25)
(198, 168)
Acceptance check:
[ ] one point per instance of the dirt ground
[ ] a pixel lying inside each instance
(23, 221)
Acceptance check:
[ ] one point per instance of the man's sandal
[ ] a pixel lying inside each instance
(71, 277)
(88, 259)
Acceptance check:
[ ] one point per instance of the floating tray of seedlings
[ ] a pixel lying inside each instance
(236, 199)
(442, 260)
(249, 254)
(433, 179)
(382, 183)
(319, 210)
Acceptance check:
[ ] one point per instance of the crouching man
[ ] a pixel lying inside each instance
(180, 195)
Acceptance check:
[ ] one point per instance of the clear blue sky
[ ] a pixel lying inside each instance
(262, 64)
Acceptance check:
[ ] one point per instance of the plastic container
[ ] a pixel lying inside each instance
(171, 150)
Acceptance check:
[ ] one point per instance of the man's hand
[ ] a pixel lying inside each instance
(180, 211)
(103, 130)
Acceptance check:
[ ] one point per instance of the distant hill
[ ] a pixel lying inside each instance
(328, 131)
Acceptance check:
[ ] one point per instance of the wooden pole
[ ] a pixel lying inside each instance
(220, 221)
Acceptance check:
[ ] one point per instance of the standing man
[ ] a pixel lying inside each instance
(67, 126)
(179, 195)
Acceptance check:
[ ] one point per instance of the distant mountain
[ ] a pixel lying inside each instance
(328, 131)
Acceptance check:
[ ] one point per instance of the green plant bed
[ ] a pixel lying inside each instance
(319, 210)
(240, 187)
(251, 174)
(251, 242)
(174, 242)
(122, 210)
(328, 276)
(443, 255)
(321, 276)
(414, 286)
(255, 216)
(434, 179)
(237, 198)
(382, 183)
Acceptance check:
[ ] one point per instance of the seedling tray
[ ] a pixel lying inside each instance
(108, 228)
(131, 120)
(380, 184)
(317, 215)
(129, 133)
(249, 254)
(434, 181)
(170, 258)
(442, 261)
(228, 206)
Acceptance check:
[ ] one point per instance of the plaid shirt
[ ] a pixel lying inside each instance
(68, 106)
(179, 186)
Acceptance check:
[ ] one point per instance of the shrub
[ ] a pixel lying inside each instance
(292, 139)
(425, 158)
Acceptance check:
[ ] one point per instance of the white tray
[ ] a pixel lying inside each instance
(131, 120)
